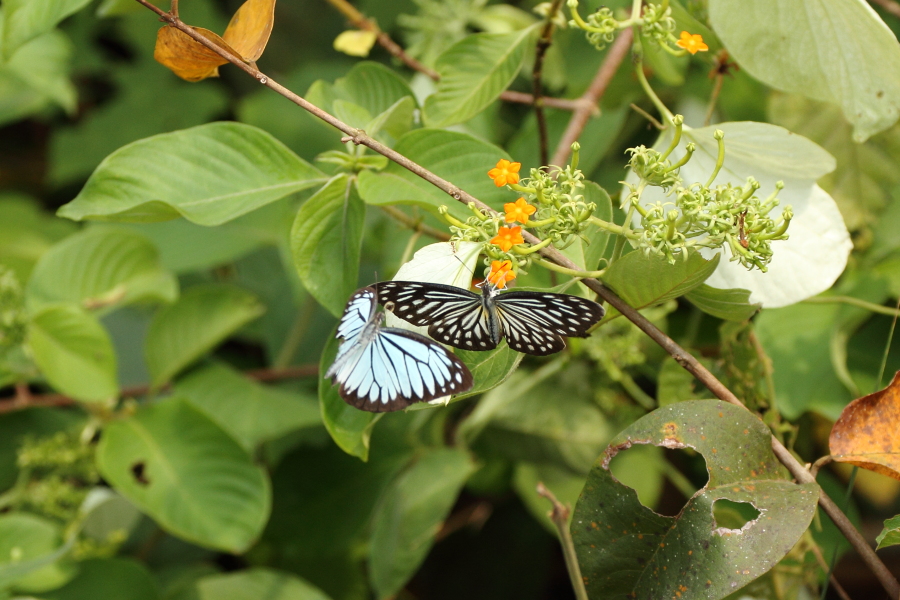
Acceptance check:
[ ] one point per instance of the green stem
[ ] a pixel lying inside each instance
(570, 272)
(870, 306)
(719, 135)
(560, 517)
(532, 249)
(620, 242)
(639, 70)
(613, 228)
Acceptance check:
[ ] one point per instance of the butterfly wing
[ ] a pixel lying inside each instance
(359, 311)
(454, 316)
(397, 368)
(537, 323)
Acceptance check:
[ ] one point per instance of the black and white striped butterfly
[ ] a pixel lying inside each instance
(385, 369)
(532, 322)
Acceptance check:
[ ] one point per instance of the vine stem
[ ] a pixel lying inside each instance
(617, 52)
(684, 358)
(560, 517)
(359, 20)
(543, 44)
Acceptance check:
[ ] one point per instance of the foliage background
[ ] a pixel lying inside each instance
(311, 510)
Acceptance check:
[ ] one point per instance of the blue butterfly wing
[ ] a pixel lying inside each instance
(538, 322)
(454, 316)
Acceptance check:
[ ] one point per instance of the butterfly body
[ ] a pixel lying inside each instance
(532, 322)
(382, 369)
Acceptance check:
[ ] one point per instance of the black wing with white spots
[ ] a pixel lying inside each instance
(386, 369)
(538, 323)
(532, 322)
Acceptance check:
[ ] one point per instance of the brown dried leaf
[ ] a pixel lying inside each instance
(867, 434)
(186, 57)
(250, 28)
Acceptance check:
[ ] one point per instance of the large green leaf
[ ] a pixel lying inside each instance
(410, 513)
(457, 157)
(643, 280)
(474, 72)
(26, 232)
(98, 268)
(119, 578)
(25, 20)
(208, 174)
(37, 75)
(30, 549)
(202, 318)
(349, 427)
(839, 51)
(179, 467)
(369, 85)
(326, 241)
(257, 584)
(489, 369)
(74, 353)
(730, 305)
(624, 548)
(251, 412)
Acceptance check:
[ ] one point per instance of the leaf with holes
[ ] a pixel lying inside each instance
(201, 319)
(99, 268)
(626, 549)
(179, 467)
(866, 434)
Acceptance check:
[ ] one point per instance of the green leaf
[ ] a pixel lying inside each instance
(37, 75)
(730, 305)
(349, 427)
(179, 467)
(890, 535)
(624, 548)
(797, 339)
(489, 369)
(676, 384)
(643, 280)
(208, 174)
(119, 578)
(598, 237)
(26, 232)
(326, 241)
(410, 513)
(457, 157)
(838, 51)
(30, 548)
(106, 515)
(74, 353)
(25, 20)
(257, 584)
(98, 268)
(251, 412)
(474, 72)
(372, 86)
(202, 318)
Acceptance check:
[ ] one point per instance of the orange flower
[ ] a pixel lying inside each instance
(508, 237)
(501, 272)
(505, 172)
(692, 43)
(518, 211)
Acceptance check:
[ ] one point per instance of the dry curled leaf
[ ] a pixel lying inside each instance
(867, 433)
(250, 28)
(186, 57)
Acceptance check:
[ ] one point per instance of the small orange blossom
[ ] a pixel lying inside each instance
(692, 43)
(505, 172)
(518, 211)
(501, 272)
(507, 237)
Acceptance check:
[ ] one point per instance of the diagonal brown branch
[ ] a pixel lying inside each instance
(685, 359)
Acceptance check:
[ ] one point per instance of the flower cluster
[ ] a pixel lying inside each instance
(701, 215)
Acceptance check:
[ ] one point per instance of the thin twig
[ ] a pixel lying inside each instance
(814, 468)
(685, 359)
(889, 5)
(592, 95)
(647, 116)
(869, 306)
(817, 552)
(359, 20)
(543, 44)
(23, 394)
(416, 224)
(261, 375)
(714, 98)
(560, 517)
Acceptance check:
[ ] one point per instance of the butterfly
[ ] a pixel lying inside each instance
(532, 322)
(386, 369)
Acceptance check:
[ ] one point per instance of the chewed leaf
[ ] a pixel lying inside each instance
(866, 434)
(186, 57)
(626, 549)
(250, 28)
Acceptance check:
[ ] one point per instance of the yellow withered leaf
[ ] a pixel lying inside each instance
(867, 434)
(250, 28)
(355, 42)
(186, 57)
